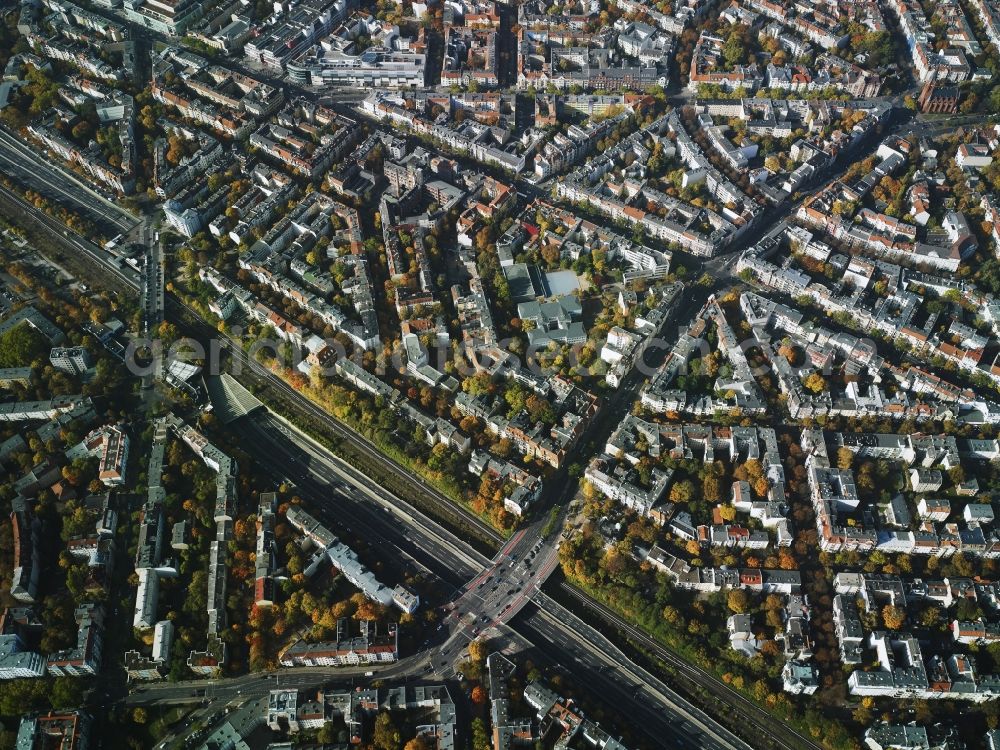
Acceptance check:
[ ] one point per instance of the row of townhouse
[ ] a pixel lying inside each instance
(711, 580)
(83, 18)
(151, 564)
(295, 30)
(624, 348)
(97, 549)
(287, 710)
(599, 68)
(328, 549)
(548, 443)
(520, 489)
(740, 390)
(738, 208)
(213, 657)
(120, 177)
(684, 13)
(670, 230)
(192, 168)
(833, 494)
(706, 68)
(474, 141)
(470, 55)
(876, 589)
(233, 125)
(902, 669)
(894, 315)
(614, 474)
(194, 208)
(989, 15)
(233, 297)
(947, 65)
(566, 150)
(903, 673)
(822, 347)
(435, 429)
(806, 18)
(77, 54)
(290, 141)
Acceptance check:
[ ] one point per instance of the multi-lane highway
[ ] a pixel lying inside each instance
(781, 733)
(356, 502)
(444, 507)
(487, 593)
(510, 580)
(416, 538)
(498, 589)
(680, 725)
(30, 168)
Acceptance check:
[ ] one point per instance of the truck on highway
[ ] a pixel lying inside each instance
(369, 674)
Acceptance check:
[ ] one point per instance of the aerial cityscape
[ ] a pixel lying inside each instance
(497, 374)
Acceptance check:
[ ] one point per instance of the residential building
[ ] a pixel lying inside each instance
(65, 730)
(367, 648)
(73, 360)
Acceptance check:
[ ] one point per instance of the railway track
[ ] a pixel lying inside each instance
(192, 323)
(781, 734)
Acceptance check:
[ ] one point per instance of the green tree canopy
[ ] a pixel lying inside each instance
(21, 345)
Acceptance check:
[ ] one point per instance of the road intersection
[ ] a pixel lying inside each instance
(499, 596)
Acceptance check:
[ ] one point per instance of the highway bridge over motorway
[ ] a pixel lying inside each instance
(500, 595)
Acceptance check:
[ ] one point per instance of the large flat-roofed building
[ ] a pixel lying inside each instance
(114, 457)
(296, 31)
(65, 730)
(16, 661)
(72, 359)
(171, 17)
(36, 320)
(372, 68)
(389, 62)
(19, 411)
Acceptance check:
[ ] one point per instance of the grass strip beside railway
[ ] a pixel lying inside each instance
(716, 694)
(448, 513)
(450, 516)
